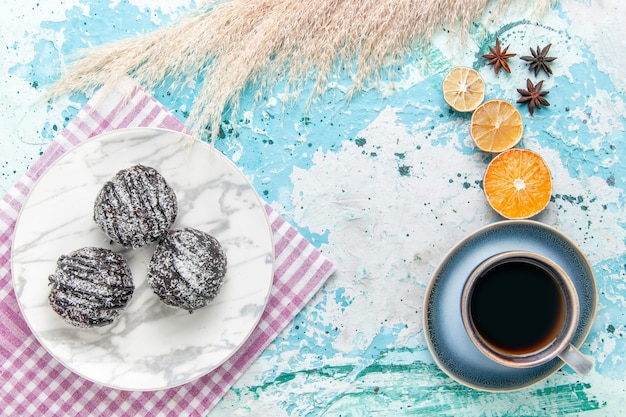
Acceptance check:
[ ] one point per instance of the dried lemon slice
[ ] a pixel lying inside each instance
(463, 89)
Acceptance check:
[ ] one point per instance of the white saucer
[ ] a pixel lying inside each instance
(151, 346)
(446, 337)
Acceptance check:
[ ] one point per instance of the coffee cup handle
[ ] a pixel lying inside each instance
(576, 360)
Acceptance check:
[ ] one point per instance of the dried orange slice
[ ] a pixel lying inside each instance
(518, 183)
(496, 125)
(463, 89)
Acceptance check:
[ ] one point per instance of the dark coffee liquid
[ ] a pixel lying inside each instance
(517, 307)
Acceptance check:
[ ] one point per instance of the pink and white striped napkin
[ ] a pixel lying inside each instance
(34, 383)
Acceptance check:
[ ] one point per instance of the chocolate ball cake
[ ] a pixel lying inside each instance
(187, 269)
(90, 287)
(136, 207)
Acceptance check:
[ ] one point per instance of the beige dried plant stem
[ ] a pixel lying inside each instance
(227, 47)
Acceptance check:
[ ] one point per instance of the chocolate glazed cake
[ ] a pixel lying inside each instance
(187, 269)
(136, 207)
(90, 287)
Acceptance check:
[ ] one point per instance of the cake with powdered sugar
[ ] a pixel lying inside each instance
(90, 287)
(187, 269)
(136, 207)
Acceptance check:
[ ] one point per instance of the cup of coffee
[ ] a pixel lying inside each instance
(521, 310)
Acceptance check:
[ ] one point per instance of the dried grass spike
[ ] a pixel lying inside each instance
(239, 44)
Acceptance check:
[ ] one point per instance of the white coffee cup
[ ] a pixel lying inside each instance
(521, 309)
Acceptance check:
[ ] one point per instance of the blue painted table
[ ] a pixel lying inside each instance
(384, 185)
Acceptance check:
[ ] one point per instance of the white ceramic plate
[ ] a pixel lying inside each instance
(151, 346)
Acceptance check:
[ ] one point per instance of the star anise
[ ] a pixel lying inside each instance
(498, 57)
(533, 96)
(539, 60)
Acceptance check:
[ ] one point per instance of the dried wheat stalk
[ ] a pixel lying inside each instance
(226, 47)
